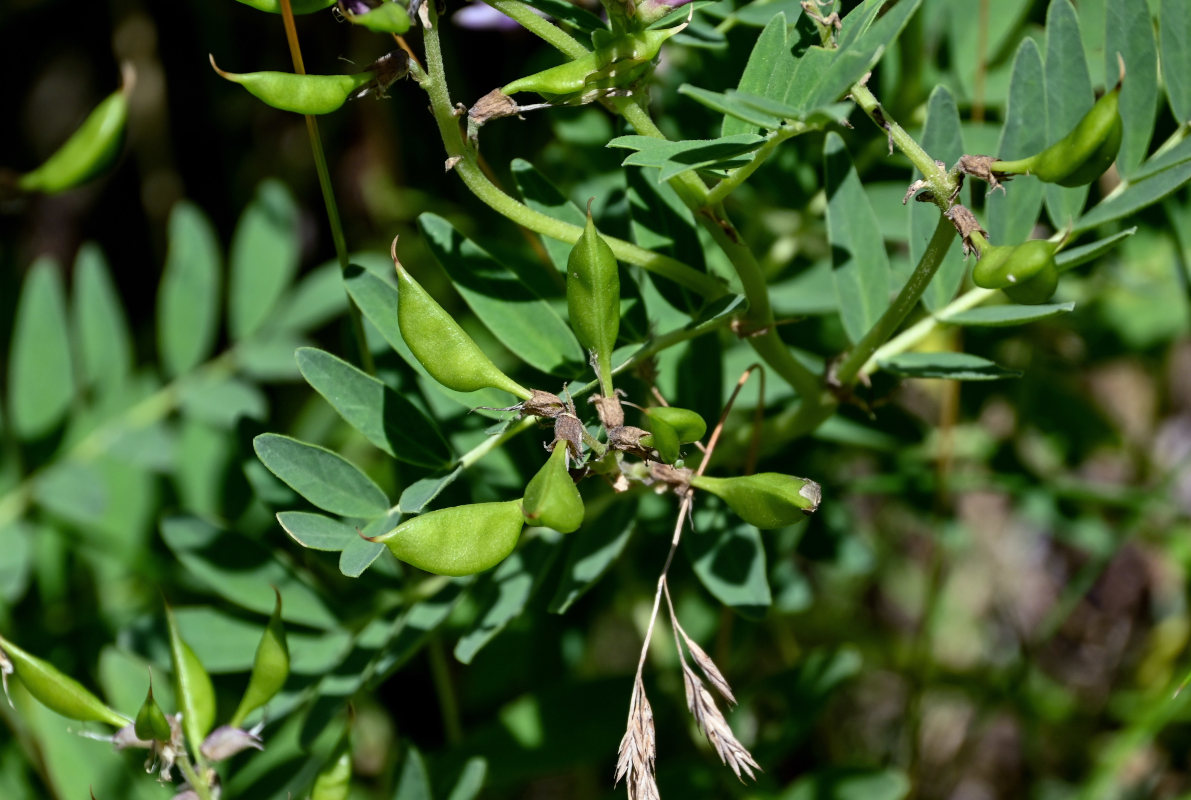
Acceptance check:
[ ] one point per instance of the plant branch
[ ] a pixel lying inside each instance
(463, 158)
(540, 27)
(328, 192)
(901, 306)
(739, 175)
(921, 329)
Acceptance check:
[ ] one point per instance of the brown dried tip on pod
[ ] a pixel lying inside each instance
(980, 167)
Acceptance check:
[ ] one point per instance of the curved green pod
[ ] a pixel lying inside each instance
(687, 424)
(90, 150)
(58, 692)
(1083, 154)
(1006, 266)
(301, 94)
(461, 540)
(387, 17)
(440, 345)
(766, 499)
(270, 668)
(193, 690)
(551, 498)
(1037, 289)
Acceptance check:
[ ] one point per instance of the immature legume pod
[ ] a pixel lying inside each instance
(383, 17)
(151, 724)
(461, 540)
(90, 150)
(270, 668)
(296, 6)
(1013, 265)
(766, 499)
(593, 295)
(56, 691)
(1083, 154)
(551, 498)
(438, 343)
(302, 94)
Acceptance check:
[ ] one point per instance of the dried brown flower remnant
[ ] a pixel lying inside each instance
(981, 167)
(638, 749)
(966, 224)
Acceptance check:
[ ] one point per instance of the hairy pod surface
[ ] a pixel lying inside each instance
(58, 692)
(441, 346)
(89, 151)
(766, 499)
(552, 499)
(461, 540)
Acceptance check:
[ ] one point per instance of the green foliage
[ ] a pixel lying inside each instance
(367, 556)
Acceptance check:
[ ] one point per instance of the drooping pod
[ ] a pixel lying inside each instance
(1083, 154)
(671, 427)
(1026, 272)
(378, 16)
(461, 540)
(766, 499)
(53, 689)
(270, 668)
(440, 345)
(551, 498)
(90, 150)
(593, 298)
(318, 94)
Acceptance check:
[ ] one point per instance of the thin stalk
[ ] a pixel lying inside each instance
(324, 183)
(200, 786)
(759, 157)
(540, 27)
(465, 165)
(759, 321)
(902, 305)
(942, 185)
(448, 704)
(492, 442)
(921, 329)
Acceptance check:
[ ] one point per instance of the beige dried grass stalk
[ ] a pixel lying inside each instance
(638, 751)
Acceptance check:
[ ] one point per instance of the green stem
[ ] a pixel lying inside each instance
(473, 177)
(902, 305)
(759, 157)
(200, 786)
(492, 442)
(540, 27)
(759, 321)
(942, 184)
(448, 705)
(328, 191)
(920, 330)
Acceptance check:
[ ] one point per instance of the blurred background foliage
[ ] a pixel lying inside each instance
(992, 601)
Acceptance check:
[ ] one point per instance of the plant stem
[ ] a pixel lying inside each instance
(540, 27)
(758, 320)
(464, 157)
(448, 705)
(921, 329)
(942, 184)
(901, 306)
(328, 191)
(759, 157)
(200, 786)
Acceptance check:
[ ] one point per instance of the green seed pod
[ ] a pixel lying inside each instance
(450, 356)
(297, 6)
(687, 424)
(192, 686)
(551, 498)
(151, 724)
(767, 499)
(1083, 154)
(304, 94)
(461, 540)
(1037, 289)
(90, 150)
(384, 17)
(663, 438)
(270, 668)
(593, 297)
(334, 780)
(1006, 266)
(616, 62)
(58, 692)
